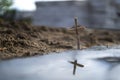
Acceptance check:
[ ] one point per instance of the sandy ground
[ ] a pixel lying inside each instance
(19, 39)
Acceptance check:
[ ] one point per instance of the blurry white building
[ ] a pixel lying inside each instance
(90, 13)
(60, 13)
(105, 13)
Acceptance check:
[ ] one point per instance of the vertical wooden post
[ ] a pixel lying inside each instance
(77, 34)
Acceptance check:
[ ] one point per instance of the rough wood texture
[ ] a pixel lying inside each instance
(77, 34)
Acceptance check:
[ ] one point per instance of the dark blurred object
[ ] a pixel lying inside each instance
(9, 15)
(26, 19)
(118, 14)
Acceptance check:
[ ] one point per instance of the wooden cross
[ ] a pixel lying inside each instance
(77, 33)
(75, 65)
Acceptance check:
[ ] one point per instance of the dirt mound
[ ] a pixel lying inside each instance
(20, 39)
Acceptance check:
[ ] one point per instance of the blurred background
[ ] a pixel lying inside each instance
(61, 13)
(30, 28)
